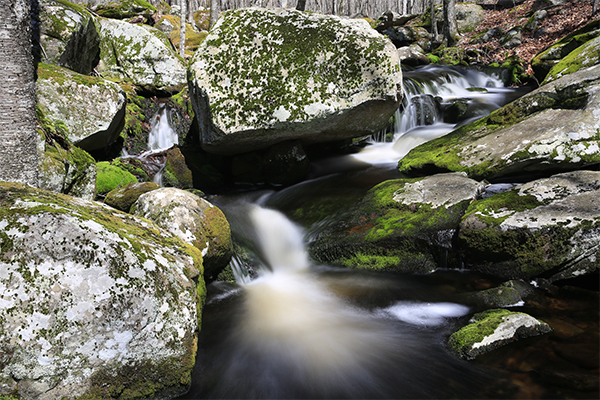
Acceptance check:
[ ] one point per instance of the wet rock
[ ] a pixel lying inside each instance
(264, 76)
(413, 55)
(285, 163)
(140, 55)
(91, 109)
(400, 225)
(491, 329)
(93, 302)
(548, 226)
(176, 172)
(509, 294)
(549, 130)
(192, 219)
(123, 198)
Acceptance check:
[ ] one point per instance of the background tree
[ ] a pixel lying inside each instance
(434, 28)
(214, 13)
(595, 8)
(183, 21)
(18, 135)
(450, 27)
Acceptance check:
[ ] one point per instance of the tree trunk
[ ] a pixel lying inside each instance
(18, 134)
(183, 21)
(214, 13)
(450, 28)
(434, 28)
(301, 5)
(595, 8)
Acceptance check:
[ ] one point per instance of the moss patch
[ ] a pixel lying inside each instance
(111, 177)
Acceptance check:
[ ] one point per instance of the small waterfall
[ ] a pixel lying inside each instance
(428, 94)
(162, 136)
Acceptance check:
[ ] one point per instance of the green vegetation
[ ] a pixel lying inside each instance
(111, 177)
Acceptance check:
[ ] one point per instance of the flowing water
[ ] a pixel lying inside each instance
(290, 328)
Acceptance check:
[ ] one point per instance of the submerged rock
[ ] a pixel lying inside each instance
(549, 226)
(263, 76)
(491, 329)
(194, 220)
(94, 303)
(91, 109)
(402, 225)
(141, 55)
(551, 129)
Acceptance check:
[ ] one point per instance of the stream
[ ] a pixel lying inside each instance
(292, 328)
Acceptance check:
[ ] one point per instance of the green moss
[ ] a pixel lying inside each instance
(125, 9)
(176, 173)
(509, 200)
(484, 324)
(111, 177)
(584, 56)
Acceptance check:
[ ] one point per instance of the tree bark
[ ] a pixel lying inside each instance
(450, 28)
(301, 5)
(214, 13)
(434, 28)
(18, 134)
(595, 8)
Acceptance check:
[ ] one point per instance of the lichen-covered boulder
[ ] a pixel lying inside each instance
(122, 9)
(468, 16)
(492, 329)
(91, 109)
(547, 59)
(194, 220)
(123, 198)
(263, 76)
(552, 129)
(548, 226)
(140, 55)
(402, 225)
(58, 21)
(94, 303)
(584, 56)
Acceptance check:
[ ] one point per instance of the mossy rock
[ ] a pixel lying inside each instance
(586, 55)
(403, 225)
(123, 198)
(122, 9)
(491, 329)
(176, 172)
(102, 304)
(535, 229)
(111, 177)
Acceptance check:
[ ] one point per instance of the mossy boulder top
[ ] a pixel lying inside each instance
(401, 225)
(94, 303)
(194, 220)
(140, 55)
(492, 329)
(59, 19)
(548, 226)
(91, 109)
(553, 129)
(269, 75)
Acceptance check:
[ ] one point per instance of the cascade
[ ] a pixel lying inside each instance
(428, 94)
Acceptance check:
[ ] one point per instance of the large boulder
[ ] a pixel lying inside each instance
(550, 130)
(468, 16)
(404, 225)
(94, 303)
(547, 227)
(263, 76)
(194, 220)
(141, 55)
(91, 109)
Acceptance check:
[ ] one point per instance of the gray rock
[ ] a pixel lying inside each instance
(141, 55)
(194, 220)
(468, 16)
(82, 50)
(512, 38)
(491, 329)
(548, 226)
(263, 76)
(91, 109)
(92, 301)
(413, 55)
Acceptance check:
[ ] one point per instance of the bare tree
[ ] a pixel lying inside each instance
(595, 8)
(183, 21)
(18, 134)
(450, 27)
(214, 13)
(434, 28)
(301, 6)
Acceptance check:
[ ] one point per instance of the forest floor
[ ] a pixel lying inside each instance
(561, 21)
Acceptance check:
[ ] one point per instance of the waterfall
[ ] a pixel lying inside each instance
(428, 94)
(162, 136)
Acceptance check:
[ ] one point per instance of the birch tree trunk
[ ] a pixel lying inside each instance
(214, 13)
(18, 134)
(434, 27)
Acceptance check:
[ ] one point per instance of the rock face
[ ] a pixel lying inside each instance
(141, 55)
(402, 225)
(548, 226)
(91, 109)
(192, 219)
(263, 76)
(550, 130)
(94, 303)
(124, 197)
(491, 329)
